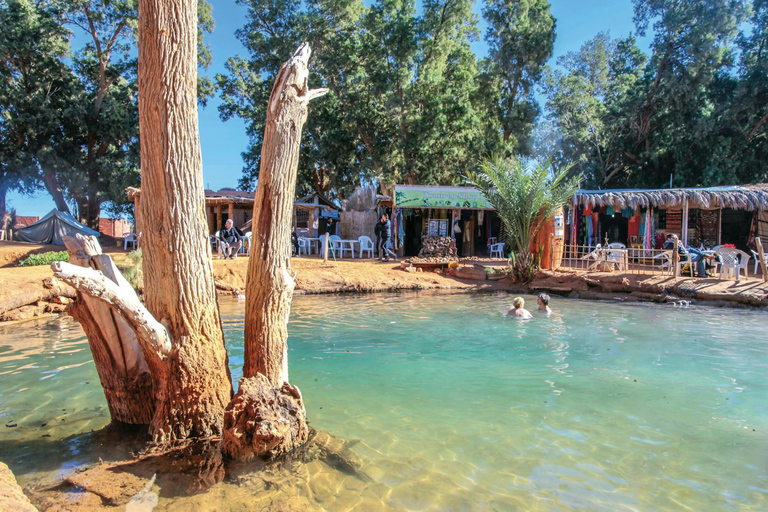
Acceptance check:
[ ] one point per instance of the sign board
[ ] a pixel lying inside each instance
(440, 197)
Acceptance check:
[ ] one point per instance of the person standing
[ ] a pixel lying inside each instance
(230, 240)
(383, 233)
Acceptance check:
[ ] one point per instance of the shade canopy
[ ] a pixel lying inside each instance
(52, 229)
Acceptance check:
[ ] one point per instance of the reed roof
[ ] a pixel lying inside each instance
(740, 197)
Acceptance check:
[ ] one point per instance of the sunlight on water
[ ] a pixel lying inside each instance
(453, 406)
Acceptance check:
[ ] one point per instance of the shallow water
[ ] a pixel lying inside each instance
(453, 406)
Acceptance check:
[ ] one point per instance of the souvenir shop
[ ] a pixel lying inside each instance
(700, 217)
(462, 213)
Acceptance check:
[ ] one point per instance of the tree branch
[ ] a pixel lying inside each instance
(151, 334)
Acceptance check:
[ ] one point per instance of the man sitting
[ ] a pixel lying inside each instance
(230, 240)
(690, 255)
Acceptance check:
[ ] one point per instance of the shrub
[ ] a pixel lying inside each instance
(44, 258)
(132, 271)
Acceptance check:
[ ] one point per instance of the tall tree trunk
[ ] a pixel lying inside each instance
(267, 415)
(193, 384)
(270, 278)
(52, 186)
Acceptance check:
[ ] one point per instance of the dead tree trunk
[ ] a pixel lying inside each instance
(193, 386)
(267, 416)
(120, 362)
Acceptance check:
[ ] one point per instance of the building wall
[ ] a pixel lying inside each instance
(114, 227)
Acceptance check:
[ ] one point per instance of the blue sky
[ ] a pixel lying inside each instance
(222, 143)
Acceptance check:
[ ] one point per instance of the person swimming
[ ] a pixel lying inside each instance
(543, 302)
(518, 309)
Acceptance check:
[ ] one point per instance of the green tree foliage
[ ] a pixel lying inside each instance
(407, 101)
(695, 109)
(70, 118)
(525, 195)
(520, 37)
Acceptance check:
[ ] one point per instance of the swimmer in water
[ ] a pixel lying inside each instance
(543, 302)
(518, 309)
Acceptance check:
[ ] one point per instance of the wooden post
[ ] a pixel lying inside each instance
(760, 252)
(209, 215)
(684, 227)
(219, 215)
(231, 212)
(675, 258)
(325, 248)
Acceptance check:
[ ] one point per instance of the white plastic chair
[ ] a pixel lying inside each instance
(304, 247)
(616, 245)
(497, 249)
(366, 244)
(245, 247)
(130, 238)
(757, 260)
(732, 260)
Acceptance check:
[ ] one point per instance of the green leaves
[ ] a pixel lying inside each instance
(524, 194)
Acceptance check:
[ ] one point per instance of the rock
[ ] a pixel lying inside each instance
(410, 269)
(263, 421)
(113, 484)
(60, 299)
(11, 495)
(474, 273)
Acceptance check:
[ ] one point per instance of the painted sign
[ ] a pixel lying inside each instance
(440, 197)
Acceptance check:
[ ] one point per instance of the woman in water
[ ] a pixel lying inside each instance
(518, 309)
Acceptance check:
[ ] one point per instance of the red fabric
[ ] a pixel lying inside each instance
(587, 211)
(634, 225)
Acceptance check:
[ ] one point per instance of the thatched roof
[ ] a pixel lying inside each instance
(743, 197)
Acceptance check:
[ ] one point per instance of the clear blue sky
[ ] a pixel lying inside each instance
(222, 143)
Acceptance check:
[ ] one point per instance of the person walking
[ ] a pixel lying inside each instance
(383, 232)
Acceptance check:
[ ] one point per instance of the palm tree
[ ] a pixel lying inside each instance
(524, 196)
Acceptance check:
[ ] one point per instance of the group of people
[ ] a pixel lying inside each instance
(518, 307)
(383, 232)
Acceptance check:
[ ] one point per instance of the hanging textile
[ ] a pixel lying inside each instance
(609, 210)
(627, 213)
(480, 217)
(708, 222)
(400, 228)
(633, 226)
(675, 221)
(648, 243)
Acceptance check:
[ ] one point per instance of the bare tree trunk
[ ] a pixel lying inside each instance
(267, 416)
(119, 360)
(193, 385)
(53, 188)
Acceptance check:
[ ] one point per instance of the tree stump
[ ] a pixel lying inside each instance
(263, 421)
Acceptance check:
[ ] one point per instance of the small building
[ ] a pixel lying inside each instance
(313, 212)
(698, 216)
(462, 213)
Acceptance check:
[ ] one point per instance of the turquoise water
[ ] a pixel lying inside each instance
(453, 406)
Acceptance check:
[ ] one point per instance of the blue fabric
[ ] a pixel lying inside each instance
(609, 210)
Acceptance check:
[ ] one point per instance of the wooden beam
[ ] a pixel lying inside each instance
(231, 212)
(761, 253)
(219, 215)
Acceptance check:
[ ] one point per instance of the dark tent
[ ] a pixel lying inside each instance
(52, 229)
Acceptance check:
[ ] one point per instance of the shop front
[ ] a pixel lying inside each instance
(462, 213)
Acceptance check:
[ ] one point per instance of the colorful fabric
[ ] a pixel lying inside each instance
(634, 226)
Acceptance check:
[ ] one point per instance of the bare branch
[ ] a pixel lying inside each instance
(151, 334)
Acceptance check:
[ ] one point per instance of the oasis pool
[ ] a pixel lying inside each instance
(453, 406)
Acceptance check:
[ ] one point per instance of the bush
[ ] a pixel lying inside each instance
(44, 258)
(132, 272)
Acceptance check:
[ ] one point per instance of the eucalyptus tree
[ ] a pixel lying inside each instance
(403, 102)
(520, 37)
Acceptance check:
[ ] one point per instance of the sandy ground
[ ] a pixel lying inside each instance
(32, 287)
